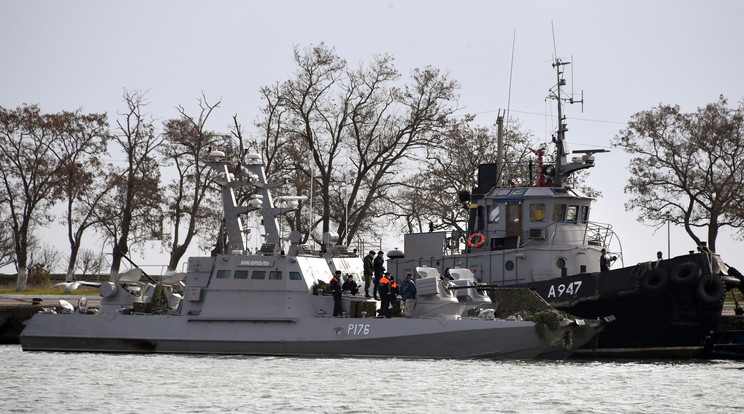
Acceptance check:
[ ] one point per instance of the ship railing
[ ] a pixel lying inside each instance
(587, 233)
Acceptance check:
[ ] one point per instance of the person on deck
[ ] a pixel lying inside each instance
(408, 293)
(385, 294)
(379, 269)
(336, 292)
(350, 285)
(369, 270)
(605, 261)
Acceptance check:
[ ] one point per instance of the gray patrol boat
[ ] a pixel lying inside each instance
(272, 303)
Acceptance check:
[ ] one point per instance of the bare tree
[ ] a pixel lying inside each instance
(7, 252)
(131, 213)
(83, 183)
(687, 168)
(34, 152)
(350, 130)
(431, 193)
(186, 144)
(89, 263)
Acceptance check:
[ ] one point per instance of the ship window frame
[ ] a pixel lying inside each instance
(258, 275)
(583, 214)
(509, 266)
(536, 208)
(295, 276)
(572, 217)
(223, 274)
(241, 274)
(274, 273)
(559, 208)
(491, 209)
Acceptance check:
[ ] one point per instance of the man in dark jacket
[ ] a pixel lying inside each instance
(336, 292)
(385, 295)
(408, 293)
(350, 285)
(369, 270)
(379, 269)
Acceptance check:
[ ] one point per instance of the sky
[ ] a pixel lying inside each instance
(627, 57)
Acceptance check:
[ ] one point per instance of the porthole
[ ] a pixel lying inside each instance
(509, 265)
(560, 262)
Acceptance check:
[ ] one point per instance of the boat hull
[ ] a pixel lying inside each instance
(673, 317)
(670, 322)
(321, 336)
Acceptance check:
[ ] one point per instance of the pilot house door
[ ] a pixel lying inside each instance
(513, 219)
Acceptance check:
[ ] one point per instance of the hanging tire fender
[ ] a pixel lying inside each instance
(685, 273)
(711, 289)
(654, 280)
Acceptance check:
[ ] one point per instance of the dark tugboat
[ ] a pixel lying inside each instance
(539, 236)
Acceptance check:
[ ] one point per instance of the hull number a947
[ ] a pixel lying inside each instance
(571, 288)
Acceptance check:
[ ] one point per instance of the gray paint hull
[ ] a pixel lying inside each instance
(322, 336)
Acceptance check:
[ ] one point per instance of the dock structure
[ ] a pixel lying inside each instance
(16, 309)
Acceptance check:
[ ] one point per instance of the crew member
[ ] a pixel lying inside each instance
(336, 292)
(385, 295)
(659, 258)
(408, 293)
(350, 285)
(369, 269)
(605, 261)
(379, 269)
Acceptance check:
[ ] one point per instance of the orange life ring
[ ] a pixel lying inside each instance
(476, 236)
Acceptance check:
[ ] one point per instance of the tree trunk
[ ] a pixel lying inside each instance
(69, 276)
(22, 279)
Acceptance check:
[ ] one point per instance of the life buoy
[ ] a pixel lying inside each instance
(685, 273)
(711, 289)
(654, 280)
(476, 240)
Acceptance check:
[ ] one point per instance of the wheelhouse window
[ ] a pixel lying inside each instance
(295, 276)
(514, 216)
(275, 275)
(494, 214)
(571, 213)
(559, 212)
(537, 212)
(223, 274)
(258, 274)
(241, 274)
(584, 214)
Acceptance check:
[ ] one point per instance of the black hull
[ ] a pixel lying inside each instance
(658, 313)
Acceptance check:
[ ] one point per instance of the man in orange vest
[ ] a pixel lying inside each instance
(336, 292)
(385, 293)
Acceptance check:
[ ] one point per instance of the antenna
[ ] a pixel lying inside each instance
(511, 70)
(555, 52)
(572, 80)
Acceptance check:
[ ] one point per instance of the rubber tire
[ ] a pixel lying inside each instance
(711, 289)
(654, 280)
(685, 273)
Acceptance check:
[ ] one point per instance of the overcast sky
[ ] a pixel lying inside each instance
(628, 56)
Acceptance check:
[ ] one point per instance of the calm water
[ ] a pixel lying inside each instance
(98, 383)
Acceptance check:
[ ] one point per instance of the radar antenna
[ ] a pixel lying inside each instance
(562, 167)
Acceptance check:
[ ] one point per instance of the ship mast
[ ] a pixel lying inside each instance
(562, 168)
(560, 151)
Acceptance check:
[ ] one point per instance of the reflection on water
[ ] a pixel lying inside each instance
(67, 382)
